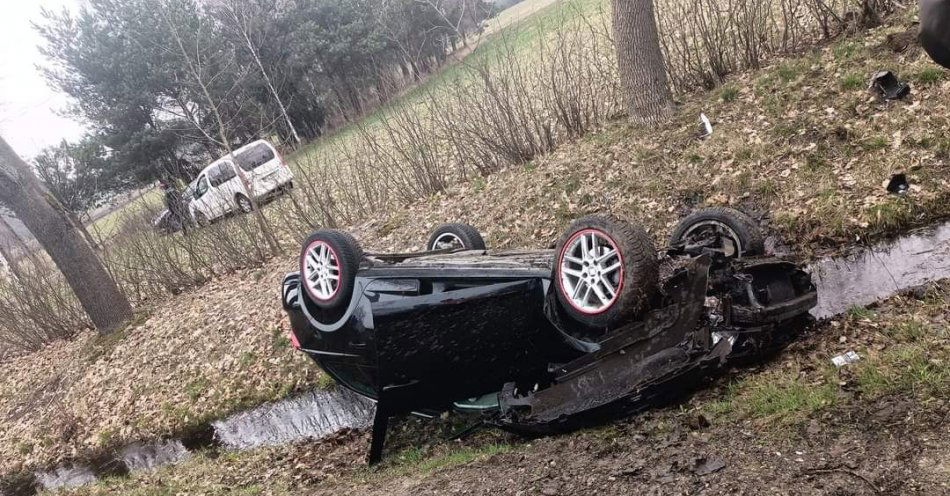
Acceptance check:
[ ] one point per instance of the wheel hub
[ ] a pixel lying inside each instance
(715, 236)
(447, 241)
(591, 271)
(321, 269)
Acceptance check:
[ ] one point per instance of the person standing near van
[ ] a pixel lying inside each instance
(176, 205)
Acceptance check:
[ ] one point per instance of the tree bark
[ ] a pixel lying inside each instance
(644, 85)
(9, 240)
(100, 297)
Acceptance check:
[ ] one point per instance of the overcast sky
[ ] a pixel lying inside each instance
(28, 119)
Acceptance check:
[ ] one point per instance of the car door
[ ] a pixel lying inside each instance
(215, 196)
(229, 185)
(262, 167)
(202, 200)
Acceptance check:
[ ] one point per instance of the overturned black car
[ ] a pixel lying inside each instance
(547, 340)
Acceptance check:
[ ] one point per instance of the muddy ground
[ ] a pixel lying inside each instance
(896, 443)
(795, 424)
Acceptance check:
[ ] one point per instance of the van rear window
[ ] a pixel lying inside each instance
(254, 156)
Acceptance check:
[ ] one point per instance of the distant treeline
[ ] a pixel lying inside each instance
(163, 85)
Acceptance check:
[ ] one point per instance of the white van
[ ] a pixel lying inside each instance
(219, 191)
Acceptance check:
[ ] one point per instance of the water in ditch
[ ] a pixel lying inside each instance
(312, 415)
(867, 275)
(859, 277)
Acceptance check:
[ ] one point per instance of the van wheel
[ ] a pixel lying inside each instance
(606, 271)
(244, 203)
(328, 264)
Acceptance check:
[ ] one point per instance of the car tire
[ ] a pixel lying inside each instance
(599, 289)
(244, 204)
(455, 236)
(327, 253)
(743, 232)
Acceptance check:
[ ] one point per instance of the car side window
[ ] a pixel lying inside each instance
(254, 156)
(214, 176)
(226, 172)
(202, 187)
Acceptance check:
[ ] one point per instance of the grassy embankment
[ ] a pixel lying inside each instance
(799, 139)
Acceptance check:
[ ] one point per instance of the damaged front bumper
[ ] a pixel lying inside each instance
(644, 363)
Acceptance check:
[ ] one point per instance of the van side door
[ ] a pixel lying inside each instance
(201, 200)
(229, 185)
(216, 199)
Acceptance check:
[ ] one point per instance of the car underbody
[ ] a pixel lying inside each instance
(485, 332)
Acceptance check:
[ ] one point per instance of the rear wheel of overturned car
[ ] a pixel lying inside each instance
(455, 237)
(328, 264)
(244, 203)
(606, 270)
(719, 229)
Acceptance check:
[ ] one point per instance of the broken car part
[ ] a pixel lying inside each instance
(845, 359)
(886, 84)
(898, 184)
(705, 126)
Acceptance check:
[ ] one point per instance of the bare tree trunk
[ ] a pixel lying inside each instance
(97, 292)
(646, 91)
(8, 240)
(242, 25)
(77, 222)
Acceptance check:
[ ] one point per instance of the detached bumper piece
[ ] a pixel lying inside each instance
(632, 368)
(764, 306)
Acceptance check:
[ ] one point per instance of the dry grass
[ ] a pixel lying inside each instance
(790, 142)
(194, 359)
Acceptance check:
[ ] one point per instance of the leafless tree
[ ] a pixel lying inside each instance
(194, 67)
(238, 12)
(98, 294)
(646, 90)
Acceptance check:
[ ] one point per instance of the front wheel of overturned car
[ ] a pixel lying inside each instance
(328, 264)
(718, 229)
(606, 270)
(455, 237)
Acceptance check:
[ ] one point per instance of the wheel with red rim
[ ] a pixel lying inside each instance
(328, 264)
(605, 270)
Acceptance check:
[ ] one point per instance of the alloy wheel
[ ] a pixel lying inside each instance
(321, 268)
(591, 271)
